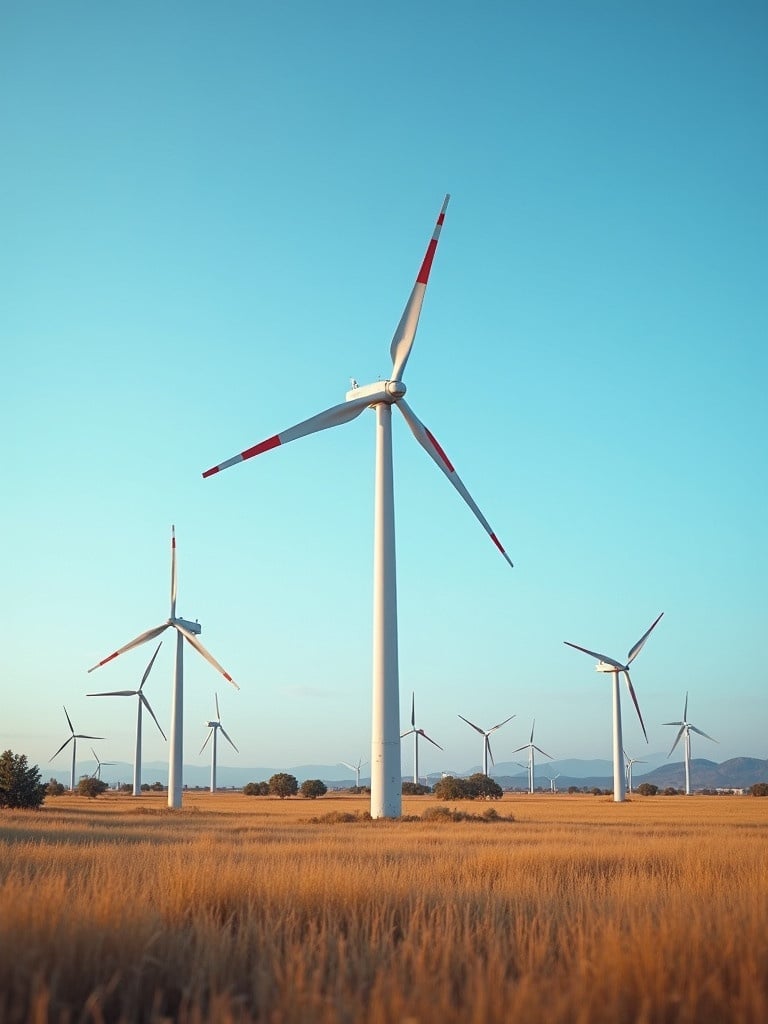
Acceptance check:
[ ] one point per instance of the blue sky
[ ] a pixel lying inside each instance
(212, 219)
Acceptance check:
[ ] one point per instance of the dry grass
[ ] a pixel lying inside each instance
(567, 909)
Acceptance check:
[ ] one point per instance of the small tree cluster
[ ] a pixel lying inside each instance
(311, 789)
(90, 787)
(476, 787)
(415, 789)
(256, 789)
(20, 785)
(54, 788)
(647, 789)
(759, 789)
(282, 784)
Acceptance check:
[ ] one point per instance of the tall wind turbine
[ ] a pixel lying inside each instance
(629, 762)
(214, 727)
(485, 733)
(530, 746)
(356, 769)
(386, 783)
(142, 701)
(100, 765)
(185, 630)
(606, 664)
(73, 740)
(416, 733)
(686, 728)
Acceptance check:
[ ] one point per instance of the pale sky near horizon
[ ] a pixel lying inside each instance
(212, 219)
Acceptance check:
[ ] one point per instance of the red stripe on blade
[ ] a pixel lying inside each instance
(440, 452)
(210, 472)
(108, 659)
(426, 266)
(497, 542)
(263, 446)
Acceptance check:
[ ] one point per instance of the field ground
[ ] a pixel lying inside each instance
(566, 910)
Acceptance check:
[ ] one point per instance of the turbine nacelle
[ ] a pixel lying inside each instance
(389, 391)
(609, 666)
(191, 627)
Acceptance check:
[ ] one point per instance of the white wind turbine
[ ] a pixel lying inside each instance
(416, 733)
(142, 701)
(629, 762)
(530, 746)
(553, 781)
(686, 728)
(214, 727)
(386, 782)
(356, 769)
(185, 630)
(485, 733)
(100, 765)
(606, 664)
(73, 740)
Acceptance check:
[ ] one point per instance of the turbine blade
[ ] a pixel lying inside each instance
(600, 657)
(201, 650)
(151, 662)
(114, 693)
(677, 738)
(685, 709)
(85, 736)
(673, 723)
(490, 752)
(69, 722)
(206, 741)
(226, 737)
(142, 639)
(632, 694)
(518, 749)
(542, 751)
(70, 740)
(147, 705)
(218, 713)
(413, 710)
(475, 727)
(634, 651)
(704, 734)
(402, 342)
(502, 723)
(533, 726)
(429, 739)
(173, 572)
(351, 767)
(332, 417)
(436, 453)
(402, 737)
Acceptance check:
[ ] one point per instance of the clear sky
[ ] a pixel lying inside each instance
(212, 217)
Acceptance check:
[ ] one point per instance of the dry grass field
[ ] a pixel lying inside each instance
(567, 909)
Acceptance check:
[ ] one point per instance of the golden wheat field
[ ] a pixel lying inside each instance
(565, 909)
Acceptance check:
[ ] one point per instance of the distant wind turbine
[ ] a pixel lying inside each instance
(386, 769)
(686, 728)
(100, 765)
(73, 740)
(531, 747)
(214, 727)
(185, 630)
(356, 769)
(629, 762)
(416, 733)
(142, 701)
(606, 664)
(553, 781)
(485, 733)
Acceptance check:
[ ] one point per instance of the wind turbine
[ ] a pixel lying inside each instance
(606, 664)
(416, 733)
(630, 762)
(386, 780)
(141, 701)
(100, 765)
(485, 733)
(73, 740)
(686, 728)
(185, 630)
(531, 747)
(214, 727)
(356, 769)
(553, 781)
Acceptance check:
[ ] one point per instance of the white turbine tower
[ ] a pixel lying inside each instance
(100, 765)
(142, 701)
(485, 733)
(629, 762)
(214, 727)
(686, 728)
(606, 664)
(356, 769)
(185, 630)
(386, 783)
(530, 746)
(416, 733)
(73, 740)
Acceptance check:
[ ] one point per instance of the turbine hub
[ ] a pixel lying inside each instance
(396, 388)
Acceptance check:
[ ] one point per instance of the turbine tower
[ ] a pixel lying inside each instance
(530, 746)
(386, 780)
(142, 701)
(416, 733)
(185, 630)
(100, 765)
(485, 733)
(686, 728)
(214, 727)
(73, 740)
(356, 769)
(629, 762)
(606, 664)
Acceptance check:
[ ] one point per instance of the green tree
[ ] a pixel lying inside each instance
(20, 785)
(313, 788)
(282, 784)
(647, 789)
(54, 788)
(415, 789)
(450, 788)
(90, 787)
(483, 787)
(759, 789)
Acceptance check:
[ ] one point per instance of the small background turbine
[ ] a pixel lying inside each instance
(73, 740)
(416, 733)
(485, 733)
(686, 728)
(214, 727)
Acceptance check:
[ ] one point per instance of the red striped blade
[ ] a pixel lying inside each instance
(142, 639)
(201, 650)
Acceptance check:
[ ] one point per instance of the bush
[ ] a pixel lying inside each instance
(54, 788)
(90, 787)
(283, 785)
(647, 789)
(477, 786)
(256, 789)
(415, 789)
(20, 785)
(671, 791)
(311, 789)
(759, 789)
(574, 789)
